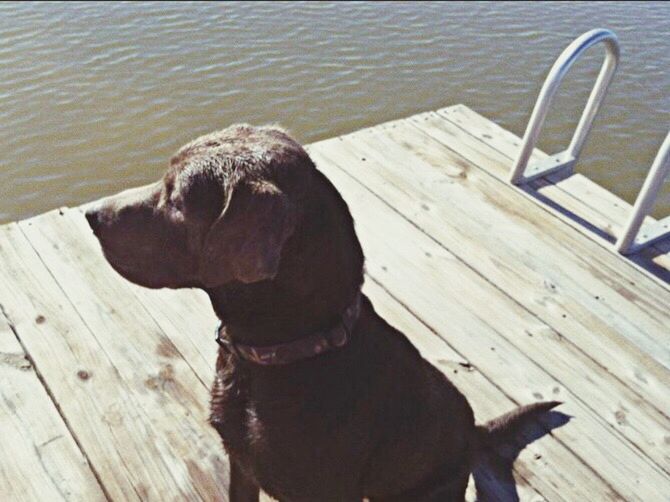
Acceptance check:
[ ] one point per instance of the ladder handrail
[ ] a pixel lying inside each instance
(629, 242)
(560, 68)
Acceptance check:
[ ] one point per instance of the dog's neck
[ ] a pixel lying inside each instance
(269, 314)
(320, 274)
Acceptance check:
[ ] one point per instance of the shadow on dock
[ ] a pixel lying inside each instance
(644, 259)
(493, 475)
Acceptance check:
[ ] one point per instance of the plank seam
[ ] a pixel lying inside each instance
(486, 377)
(553, 212)
(38, 454)
(643, 354)
(53, 400)
(524, 307)
(652, 464)
(92, 331)
(158, 325)
(623, 438)
(579, 228)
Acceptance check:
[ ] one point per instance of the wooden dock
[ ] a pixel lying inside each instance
(515, 294)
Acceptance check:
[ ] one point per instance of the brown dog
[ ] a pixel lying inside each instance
(316, 397)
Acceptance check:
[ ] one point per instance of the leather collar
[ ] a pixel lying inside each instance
(296, 350)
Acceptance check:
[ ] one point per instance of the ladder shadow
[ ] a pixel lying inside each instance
(493, 474)
(644, 258)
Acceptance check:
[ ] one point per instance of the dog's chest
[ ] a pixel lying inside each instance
(289, 444)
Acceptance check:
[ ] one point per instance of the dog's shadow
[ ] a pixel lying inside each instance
(493, 474)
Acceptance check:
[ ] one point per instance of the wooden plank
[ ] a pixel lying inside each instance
(430, 344)
(184, 316)
(443, 206)
(414, 267)
(177, 340)
(577, 193)
(603, 210)
(538, 468)
(650, 421)
(603, 286)
(185, 312)
(41, 460)
(570, 198)
(141, 422)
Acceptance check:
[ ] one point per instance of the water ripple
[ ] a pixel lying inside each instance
(95, 97)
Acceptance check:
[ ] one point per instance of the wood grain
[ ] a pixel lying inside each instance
(42, 459)
(597, 209)
(141, 421)
(477, 315)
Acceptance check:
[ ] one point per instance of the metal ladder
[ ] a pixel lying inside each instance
(629, 241)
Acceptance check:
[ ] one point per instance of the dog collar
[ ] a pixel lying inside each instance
(303, 348)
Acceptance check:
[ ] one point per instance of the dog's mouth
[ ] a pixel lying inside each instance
(136, 275)
(126, 267)
(117, 263)
(147, 271)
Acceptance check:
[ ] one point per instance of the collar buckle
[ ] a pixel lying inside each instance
(224, 342)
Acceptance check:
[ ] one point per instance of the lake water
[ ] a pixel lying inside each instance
(95, 98)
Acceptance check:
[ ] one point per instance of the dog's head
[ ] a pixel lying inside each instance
(222, 212)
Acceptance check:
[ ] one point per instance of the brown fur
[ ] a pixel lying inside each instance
(244, 214)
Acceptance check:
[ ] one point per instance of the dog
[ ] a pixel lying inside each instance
(315, 396)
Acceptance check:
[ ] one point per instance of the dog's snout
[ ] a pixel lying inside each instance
(93, 218)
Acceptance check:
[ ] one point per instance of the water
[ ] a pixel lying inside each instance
(96, 97)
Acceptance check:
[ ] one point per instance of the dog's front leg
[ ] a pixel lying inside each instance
(242, 488)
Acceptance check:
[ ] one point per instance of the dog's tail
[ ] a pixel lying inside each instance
(494, 431)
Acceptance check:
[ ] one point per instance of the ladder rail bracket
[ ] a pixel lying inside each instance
(521, 173)
(635, 235)
(555, 163)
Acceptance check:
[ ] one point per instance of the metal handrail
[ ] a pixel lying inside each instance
(567, 158)
(630, 241)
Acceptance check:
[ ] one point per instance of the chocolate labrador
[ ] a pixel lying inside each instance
(315, 397)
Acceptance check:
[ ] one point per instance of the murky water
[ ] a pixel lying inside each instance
(96, 97)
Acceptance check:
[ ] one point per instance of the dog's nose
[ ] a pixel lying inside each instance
(93, 217)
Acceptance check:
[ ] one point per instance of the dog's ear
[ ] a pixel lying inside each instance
(246, 240)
